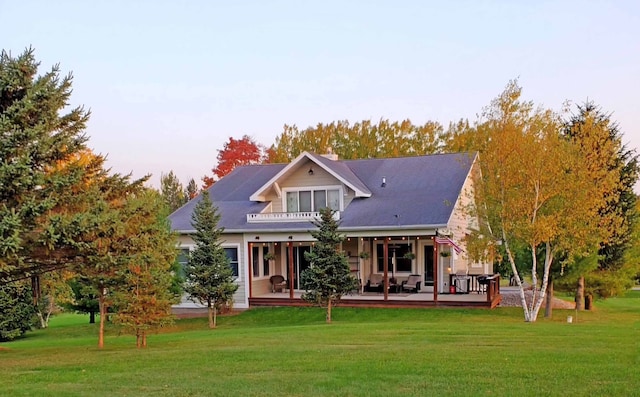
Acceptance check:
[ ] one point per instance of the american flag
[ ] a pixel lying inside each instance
(448, 241)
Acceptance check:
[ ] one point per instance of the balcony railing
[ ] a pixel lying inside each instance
(287, 217)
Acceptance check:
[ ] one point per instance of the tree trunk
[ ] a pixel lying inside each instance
(215, 316)
(210, 311)
(138, 338)
(548, 309)
(580, 294)
(588, 302)
(103, 316)
(43, 324)
(144, 339)
(92, 317)
(329, 311)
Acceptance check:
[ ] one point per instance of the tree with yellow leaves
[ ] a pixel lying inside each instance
(534, 190)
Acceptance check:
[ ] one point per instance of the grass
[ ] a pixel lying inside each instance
(365, 352)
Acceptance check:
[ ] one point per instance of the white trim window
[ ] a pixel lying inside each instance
(313, 199)
(233, 253)
(260, 266)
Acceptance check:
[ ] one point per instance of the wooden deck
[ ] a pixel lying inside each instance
(373, 299)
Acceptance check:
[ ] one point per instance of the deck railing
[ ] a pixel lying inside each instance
(287, 216)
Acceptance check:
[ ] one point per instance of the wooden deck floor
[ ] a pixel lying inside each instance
(373, 299)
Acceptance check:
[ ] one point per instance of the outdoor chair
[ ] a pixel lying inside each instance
(375, 283)
(278, 284)
(412, 284)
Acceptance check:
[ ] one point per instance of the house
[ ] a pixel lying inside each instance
(409, 210)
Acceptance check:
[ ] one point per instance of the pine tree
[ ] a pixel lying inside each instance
(144, 296)
(329, 276)
(192, 189)
(17, 313)
(172, 191)
(614, 169)
(209, 278)
(39, 130)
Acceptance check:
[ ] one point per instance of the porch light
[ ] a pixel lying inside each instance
(310, 171)
(384, 182)
(257, 237)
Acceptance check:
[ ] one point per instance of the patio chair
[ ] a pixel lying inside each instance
(412, 284)
(278, 284)
(375, 283)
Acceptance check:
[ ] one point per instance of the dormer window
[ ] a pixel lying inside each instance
(314, 199)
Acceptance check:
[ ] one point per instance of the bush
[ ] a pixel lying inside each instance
(17, 313)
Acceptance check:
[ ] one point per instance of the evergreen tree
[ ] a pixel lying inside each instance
(192, 189)
(17, 313)
(39, 130)
(85, 298)
(209, 278)
(614, 169)
(329, 276)
(143, 298)
(172, 191)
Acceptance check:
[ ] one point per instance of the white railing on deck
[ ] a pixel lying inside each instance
(287, 216)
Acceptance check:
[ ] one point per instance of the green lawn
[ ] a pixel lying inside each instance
(365, 352)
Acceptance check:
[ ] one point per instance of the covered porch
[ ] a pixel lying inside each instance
(444, 276)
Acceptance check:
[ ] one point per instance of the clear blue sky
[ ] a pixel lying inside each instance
(168, 82)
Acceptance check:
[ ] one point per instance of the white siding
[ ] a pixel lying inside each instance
(240, 298)
(461, 223)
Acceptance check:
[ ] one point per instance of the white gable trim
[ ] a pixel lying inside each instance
(260, 194)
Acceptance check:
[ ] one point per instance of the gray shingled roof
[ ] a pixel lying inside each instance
(419, 192)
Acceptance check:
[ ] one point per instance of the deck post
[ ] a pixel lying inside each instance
(385, 254)
(291, 274)
(435, 270)
(250, 269)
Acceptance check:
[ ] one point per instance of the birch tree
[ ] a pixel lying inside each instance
(534, 190)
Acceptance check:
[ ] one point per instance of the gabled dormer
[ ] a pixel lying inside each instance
(306, 185)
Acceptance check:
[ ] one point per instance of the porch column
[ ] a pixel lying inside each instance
(385, 254)
(250, 270)
(435, 270)
(291, 275)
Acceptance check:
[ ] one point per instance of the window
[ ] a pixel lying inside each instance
(265, 262)
(255, 259)
(183, 259)
(259, 264)
(396, 255)
(232, 254)
(312, 200)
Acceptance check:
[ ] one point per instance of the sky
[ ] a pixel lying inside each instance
(168, 82)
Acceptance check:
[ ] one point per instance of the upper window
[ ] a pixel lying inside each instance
(313, 200)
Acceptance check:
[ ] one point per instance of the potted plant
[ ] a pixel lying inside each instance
(409, 255)
(364, 255)
(270, 256)
(445, 254)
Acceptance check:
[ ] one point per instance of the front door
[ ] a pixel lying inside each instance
(300, 263)
(428, 265)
